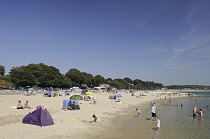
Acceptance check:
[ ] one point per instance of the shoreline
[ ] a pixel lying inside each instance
(107, 109)
(133, 127)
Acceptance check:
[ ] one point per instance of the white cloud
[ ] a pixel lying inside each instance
(160, 50)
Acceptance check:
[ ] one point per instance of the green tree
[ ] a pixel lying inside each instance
(118, 84)
(109, 81)
(98, 79)
(137, 81)
(4, 83)
(2, 70)
(128, 80)
(87, 79)
(122, 82)
(38, 74)
(75, 76)
(20, 76)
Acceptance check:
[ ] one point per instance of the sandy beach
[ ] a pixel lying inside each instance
(114, 117)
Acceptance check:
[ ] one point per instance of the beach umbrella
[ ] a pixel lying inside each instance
(76, 97)
(89, 93)
(118, 95)
(85, 90)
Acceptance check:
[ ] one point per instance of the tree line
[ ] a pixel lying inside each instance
(42, 75)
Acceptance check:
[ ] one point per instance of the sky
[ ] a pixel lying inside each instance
(164, 41)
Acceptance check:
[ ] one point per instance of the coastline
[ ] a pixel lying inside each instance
(114, 123)
(179, 122)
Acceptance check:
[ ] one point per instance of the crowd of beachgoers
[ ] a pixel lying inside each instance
(103, 112)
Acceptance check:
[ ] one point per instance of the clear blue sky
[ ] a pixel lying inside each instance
(165, 41)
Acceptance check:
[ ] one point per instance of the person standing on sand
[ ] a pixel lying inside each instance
(158, 123)
(139, 112)
(153, 111)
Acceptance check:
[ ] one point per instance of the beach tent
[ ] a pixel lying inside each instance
(66, 103)
(76, 97)
(118, 95)
(40, 117)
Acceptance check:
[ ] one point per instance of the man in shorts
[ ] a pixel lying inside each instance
(195, 110)
(153, 111)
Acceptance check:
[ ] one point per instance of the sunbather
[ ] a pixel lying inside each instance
(118, 100)
(26, 105)
(19, 105)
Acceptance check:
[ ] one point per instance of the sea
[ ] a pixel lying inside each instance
(177, 122)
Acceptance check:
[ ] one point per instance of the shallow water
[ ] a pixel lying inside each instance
(178, 123)
(129, 126)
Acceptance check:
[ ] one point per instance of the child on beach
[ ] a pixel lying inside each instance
(158, 123)
(95, 118)
(139, 112)
(200, 112)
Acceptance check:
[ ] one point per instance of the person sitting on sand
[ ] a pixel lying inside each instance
(94, 101)
(19, 105)
(55, 94)
(86, 98)
(26, 105)
(70, 104)
(95, 118)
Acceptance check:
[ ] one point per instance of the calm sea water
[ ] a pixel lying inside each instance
(178, 123)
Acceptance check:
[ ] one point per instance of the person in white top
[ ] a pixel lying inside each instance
(153, 111)
(158, 123)
(139, 112)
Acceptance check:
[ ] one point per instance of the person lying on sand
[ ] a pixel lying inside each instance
(118, 101)
(95, 118)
